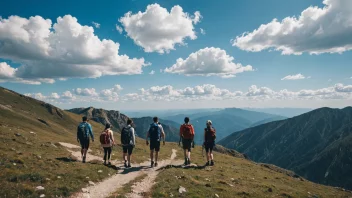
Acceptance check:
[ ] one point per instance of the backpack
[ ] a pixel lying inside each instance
(187, 132)
(154, 132)
(126, 136)
(82, 132)
(105, 137)
(210, 134)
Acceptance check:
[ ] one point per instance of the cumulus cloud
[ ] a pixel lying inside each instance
(158, 30)
(85, 92)
(111, 94)
(315, 31)
(152, 72)
(202, 31)
(119, 29)
(65, 49)
(208, 62)
(96, 25)
(295, 77)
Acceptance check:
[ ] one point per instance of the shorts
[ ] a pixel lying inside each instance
(155, 145)
(84, 143)
(209, 146)
(127, 149)
(187, 144)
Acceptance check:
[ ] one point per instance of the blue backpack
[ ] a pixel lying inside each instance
(154, 132)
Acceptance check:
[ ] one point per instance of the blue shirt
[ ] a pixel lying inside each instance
(88, 130)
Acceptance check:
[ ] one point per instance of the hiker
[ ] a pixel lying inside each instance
(187, 136)
(84, 130)
(128, 142)
(107, 142)
(209, 142)
(155, 133)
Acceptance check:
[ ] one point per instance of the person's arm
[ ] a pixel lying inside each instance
(112, 137)
(91, 132)
(133, 137)
(78, 133)
(162, 134)
(146, 138)
(205, 133)
(179, 142)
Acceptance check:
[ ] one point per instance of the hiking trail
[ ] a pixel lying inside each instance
(122, 177)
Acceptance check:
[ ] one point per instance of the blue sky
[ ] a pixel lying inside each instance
(327, 75)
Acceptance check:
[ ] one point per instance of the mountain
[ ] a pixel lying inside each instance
(115, 118)
(275, 118)
(171, 128)
(33, 163)
(225, 121)
(286, 112)
(316, 145)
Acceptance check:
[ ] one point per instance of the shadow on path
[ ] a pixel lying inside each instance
(192, 166)
(134, 169)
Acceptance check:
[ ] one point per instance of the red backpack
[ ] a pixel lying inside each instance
(187, 132)
(210, 134)
(105, 137)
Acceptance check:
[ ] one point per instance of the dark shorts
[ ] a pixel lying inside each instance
(209, 146)
(155, 145)
(187, 144)
(127, 149)
(84, 143)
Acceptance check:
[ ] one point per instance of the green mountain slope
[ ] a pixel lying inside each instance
(316, 145)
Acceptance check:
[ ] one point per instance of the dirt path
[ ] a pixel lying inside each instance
(140, 188)
(77, 154)
(122, 177)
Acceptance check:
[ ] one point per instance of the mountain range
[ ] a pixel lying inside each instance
(316, 145)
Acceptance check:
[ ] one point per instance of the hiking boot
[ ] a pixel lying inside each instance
(109, 163)
(152, 164)
(156, 164)
(104, 162)
(129, 166)
(212, 163)
(84, 159)
(125, 164)
(207, 164)
(188, 162)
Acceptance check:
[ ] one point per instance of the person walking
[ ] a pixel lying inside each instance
(84, 130)
(155, 133)
(186, 136)
(128, 141)
(209, 142)
(107, 142)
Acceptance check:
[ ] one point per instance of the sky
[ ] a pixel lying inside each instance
(178, 54)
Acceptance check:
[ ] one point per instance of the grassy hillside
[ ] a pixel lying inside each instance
(316, 145)
(30, 156)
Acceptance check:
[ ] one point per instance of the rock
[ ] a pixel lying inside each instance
(14, 164)
(182, 190)
(18, 134)
(42, 195)
(39, 188)
(100, 171)
(59, 177)
(208, 185)
(216, 195)
(270, 190)
(87, 177)
(53, 145)
(12, 149)
(47, 179)
(84, 190)
(39, 157)
(206, 179)
(171, 195)
(31, 132)
(91, 183)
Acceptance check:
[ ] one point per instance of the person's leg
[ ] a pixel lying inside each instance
(211, 155)
(109, 155)
(129, 156)
(152, 157)
(157, 149)
(105, 153)
(124, 155)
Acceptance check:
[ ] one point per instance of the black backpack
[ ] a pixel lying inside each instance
(82, 133)
(154, 132)
(126, 136)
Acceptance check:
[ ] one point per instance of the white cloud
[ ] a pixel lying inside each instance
(111, 94)
(67, 95)
(158, 30)
(66, 49)
(152, 72)
(341, 88)
(316, 30)
(255, 91)
(294, 77)
(202, 31)
(96, 25)
(119, 29)
(85, 92)
(208, 62)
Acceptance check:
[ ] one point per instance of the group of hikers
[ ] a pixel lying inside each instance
(154, 136)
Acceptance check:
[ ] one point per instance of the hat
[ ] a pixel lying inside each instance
(209, 122)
